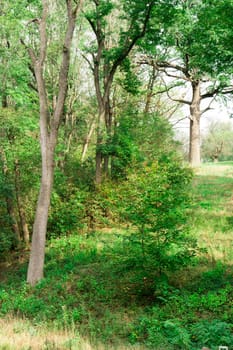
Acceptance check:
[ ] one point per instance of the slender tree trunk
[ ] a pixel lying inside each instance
(4, 100)
(36, 263)
(22, 215)
(98, 161)
(195, 115)
(87, 139)
(150, 88)
(104, 130)
(99, 144)
(49, 126)
(108, 126)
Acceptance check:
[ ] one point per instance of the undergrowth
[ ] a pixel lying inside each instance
(94, 289)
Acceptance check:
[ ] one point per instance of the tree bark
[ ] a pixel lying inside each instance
(88, 139)
(195, 115)
(49, 125)
(21, 212)
(150, 88)
(36, 262)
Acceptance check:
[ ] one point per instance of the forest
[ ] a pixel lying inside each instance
(116, 228)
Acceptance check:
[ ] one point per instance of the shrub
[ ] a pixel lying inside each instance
(66, 213)
(169, 334)
(211, 334)
(155, 201)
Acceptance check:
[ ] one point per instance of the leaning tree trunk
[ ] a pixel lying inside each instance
(195, 136)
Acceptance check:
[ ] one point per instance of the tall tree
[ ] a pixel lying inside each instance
(183, 55)
(50, 119)
(108, 53)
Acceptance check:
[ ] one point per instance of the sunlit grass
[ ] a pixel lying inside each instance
(18, 334)
(213, 210)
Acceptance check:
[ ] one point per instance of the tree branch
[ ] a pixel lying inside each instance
(208, 107)
(43, 35)
(64, 69)
(89, 62)
(174, 99)
(129, 44)
(218, 90)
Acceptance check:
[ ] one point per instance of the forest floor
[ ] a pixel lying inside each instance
(88, 302)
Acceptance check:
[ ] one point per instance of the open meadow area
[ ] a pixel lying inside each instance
(92, 298)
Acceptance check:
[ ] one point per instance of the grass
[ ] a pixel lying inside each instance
(18, 334)
(213, 218)
(91, 300)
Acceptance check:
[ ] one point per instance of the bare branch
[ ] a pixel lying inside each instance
(179, 120)
(89, 62)
(164, 90)
(209, 106)
(175, 99)
(34, 20)
(165, 64)
(218, 90)
(77, 8)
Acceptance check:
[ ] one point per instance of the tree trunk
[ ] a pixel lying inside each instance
(150, 87)
(104, 130)
(49, 126)
(195, 115)
(87, 139)
(99, 144)
(22, 216)
(36, 262)
(98, 162)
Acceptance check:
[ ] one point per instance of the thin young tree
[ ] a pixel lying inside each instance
(50, 120)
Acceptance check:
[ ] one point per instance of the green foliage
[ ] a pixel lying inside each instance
(153, 136)
(19, 174)
(211, 334)
(124, 149)
(7, 240)
(155, 200)
(130, 83)
(215, 278)
(67, 211)
(171, 334)
(213, 29)
(168, 334)
(86, 287)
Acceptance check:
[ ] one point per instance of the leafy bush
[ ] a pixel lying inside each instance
(155, 201)
(169, 334)
(7, 241)
(66, 213)
(211, 334)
